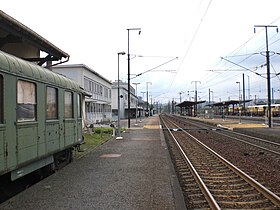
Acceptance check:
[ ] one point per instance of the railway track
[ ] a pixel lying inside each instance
(210, 181)
(260, 143)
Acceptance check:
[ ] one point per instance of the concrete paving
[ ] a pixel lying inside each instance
(132, 173)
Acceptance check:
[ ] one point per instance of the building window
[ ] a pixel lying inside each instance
(86, 84)
(51, 103)
(26, 103)
(68, 104)
(106, 92)
(87, 107)
(1, 99)
(101, 90)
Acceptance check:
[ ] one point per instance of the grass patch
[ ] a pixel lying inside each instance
(99, 136)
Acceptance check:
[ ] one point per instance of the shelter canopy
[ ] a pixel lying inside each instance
(189, 103)
(19, 40)
(230, 102)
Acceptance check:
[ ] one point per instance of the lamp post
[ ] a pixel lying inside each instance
(136, 83)
(128, 73)
(148, 98)
(143, 104)
(239, 102)
(119, 128)
(212, 107)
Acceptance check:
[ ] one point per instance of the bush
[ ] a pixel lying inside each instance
(103, 130)
(99, 136)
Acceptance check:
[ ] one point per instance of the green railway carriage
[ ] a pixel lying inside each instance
(40, 117)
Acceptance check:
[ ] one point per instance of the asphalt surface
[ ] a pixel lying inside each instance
(132, 173)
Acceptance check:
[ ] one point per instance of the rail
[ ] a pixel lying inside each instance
(210, 198)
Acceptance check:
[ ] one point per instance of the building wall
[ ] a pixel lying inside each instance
(97, 108)
(123, 100)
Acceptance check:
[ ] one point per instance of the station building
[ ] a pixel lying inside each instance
(21, 41)
(97, 107)
(124, 101)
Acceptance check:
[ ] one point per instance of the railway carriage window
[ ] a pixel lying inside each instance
(79, 106)
(68, 106)
(26, 101)
(51, 103)
(1, 99)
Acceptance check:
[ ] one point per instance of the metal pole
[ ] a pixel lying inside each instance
(136, 83)
(128, 81)
(119, 129)
(268, 75)
(151, 106)
(249, 89)
(148, 98)
(195, 97)
(143, 105)
(268, 82)
(119, 126)
(128, 74)
(239, 111)
(244, 103)
(209, 95)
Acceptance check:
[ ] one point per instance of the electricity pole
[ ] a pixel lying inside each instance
(268, 73)
(143, 105)
(244, 103)
(195, 97)
(148, 98)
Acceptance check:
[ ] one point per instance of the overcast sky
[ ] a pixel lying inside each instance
(198, 32)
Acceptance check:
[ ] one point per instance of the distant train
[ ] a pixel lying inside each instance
(40, 117)
(261, 110)
(252, 110)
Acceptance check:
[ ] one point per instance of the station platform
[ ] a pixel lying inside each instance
(257, 129)
(230, 124)
(132, 173)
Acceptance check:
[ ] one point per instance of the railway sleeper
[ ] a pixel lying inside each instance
(193, 191)
(196, 196)
(200, 202)
(240, 196)
(246, 204)
(230, 187)
(227, 178)
(216, 181)
(191, 185)
(222, 171)
(186, 177)
(230, 191)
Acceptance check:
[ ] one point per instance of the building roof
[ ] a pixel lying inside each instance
(65, 66)
(19, 33)
(189, 103)
(230, 102)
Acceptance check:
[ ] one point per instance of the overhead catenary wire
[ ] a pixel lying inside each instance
(192, 40)
(242, 59)
(242, 67)
(137, 75)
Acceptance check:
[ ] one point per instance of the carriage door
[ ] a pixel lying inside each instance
(3, 144)
(27, 125)
(69, 120)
